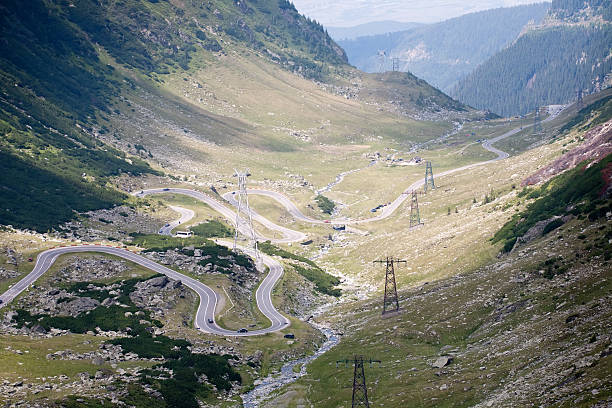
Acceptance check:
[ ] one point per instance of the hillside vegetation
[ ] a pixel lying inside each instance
(553, 64)
(443, 53)
(524, 328)
(92, 90)
(548, 64)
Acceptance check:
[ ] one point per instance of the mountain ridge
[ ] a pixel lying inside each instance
(442, 53)
(567, 53)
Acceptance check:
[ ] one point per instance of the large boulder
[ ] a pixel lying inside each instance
(443, 361)
(78, 305)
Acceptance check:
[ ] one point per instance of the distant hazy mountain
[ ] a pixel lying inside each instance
(547, 64)
(443, 53)
(374, 28)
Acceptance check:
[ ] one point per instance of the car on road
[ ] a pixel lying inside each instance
(243, 330)
(167, 225)
(0, 301)
(166, 189)
(373, 210)
(327, 221)
(210, 321)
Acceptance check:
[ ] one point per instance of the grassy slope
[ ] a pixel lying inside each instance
(46, 140)
(174, 81)
(489, 330)
(499, 322)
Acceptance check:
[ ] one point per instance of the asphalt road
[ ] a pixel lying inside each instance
(289, 235)
(186, 215)
(208, 297)
(388, 210)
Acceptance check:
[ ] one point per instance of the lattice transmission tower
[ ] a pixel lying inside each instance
(429, 179)
(382, 61)
(395, 64)
(537, 120)
(244, 219)
(415, 217)
(360, 391)
(579, 101)
(390, 301)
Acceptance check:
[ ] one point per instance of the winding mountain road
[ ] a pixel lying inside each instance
(205, 314)
(388, 210)
(289, 235)
(186, 215)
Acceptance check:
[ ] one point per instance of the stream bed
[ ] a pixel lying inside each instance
(271, 383)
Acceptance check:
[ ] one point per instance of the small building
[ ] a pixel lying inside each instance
(184, 234)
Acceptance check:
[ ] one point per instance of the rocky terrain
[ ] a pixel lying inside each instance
(114, 287)
(534, 326)
(597, 145)
(114, 224)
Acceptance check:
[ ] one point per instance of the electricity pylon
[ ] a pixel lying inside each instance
(244, 225)
(390, 301)
(395, 62)
(537, 121)
(415, 217)
(429, 180)
(360, 391)
(382, 59)
(579, 101)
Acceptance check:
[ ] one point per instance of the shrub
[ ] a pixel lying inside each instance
(578, 188)
(554, 224)
(212, 228)
(325, 204)
(323, 281)
(270, 249)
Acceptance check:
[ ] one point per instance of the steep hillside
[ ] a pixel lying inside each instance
(51, 162)
(524, 327)
(84, 83)
(547, 64)
(443, 53)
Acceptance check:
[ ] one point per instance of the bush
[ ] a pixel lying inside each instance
(323, 281)
(553, 225)
(325, 204)
(212, 228)
(270, 249)
(161, 243)
(579, 188)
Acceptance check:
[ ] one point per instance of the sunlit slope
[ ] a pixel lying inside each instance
(183, 86)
